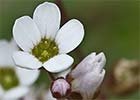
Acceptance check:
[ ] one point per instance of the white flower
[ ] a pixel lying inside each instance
(43, 43)
(88, 75)
(14, 81)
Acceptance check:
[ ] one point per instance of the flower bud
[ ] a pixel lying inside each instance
(91, 63)
(88, 75)
(60, 88)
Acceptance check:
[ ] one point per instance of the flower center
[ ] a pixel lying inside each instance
(8, 78)
(45, 50)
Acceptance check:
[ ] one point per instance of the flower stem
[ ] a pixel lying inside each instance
(51, 76)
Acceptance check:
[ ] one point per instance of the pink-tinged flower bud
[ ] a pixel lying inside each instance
(60, 88)
(88, 75)
(90, 63)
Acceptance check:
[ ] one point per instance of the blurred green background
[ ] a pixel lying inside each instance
(111, 26)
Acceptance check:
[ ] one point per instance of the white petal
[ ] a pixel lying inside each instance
(47, 17)
(6, 50)
(70, 36)
(3, 43)
(27, 77)
(15, 93)
(4, 46)
(1, 92)
(26, 60)
(13, 45)
(58, 63)
(26, 33)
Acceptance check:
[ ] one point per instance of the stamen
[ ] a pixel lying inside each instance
(8, 78)
(45, 50)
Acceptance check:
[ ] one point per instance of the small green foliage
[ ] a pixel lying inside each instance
(45, 50)
(8, 78)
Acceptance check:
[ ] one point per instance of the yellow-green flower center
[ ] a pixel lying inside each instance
(45, 50)
(8, 78)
